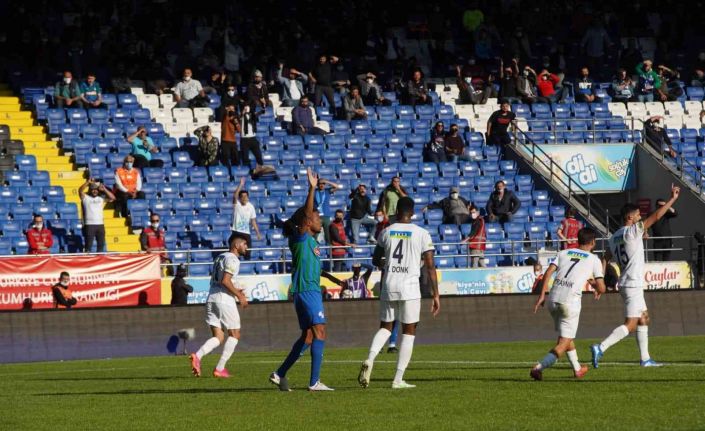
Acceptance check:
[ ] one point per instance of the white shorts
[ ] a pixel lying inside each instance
(634, 302)
(565, 319)
(405, 311)
(221, 315)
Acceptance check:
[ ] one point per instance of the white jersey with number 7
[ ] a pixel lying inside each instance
(403, 244)
(627, 247)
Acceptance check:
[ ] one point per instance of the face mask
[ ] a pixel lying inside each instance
(380, 219)
(38, 225)
(526, 73)
(128, 166)
(231, 93)
(474, 215)
(67, 80)
(187, 78)
(63, 283)
(155, 226)
(369, 80)
(454, 196)
(468, 80)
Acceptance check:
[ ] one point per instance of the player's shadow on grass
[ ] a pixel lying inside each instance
(97, 379)
(563, 380)
(160, 392)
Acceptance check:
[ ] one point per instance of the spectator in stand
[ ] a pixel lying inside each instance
(250, 143)
(91, 93)
(360, 211)
(568, 230)
(230, 97)
(208, 146)
(502, 204)
(187, 90)
(218, 82)
(417, 90)
(93, 205)
(454, 145)
(662, 228)
(257, 92)
(631, 56)
(657, 135)
(508, 86)
(229, 127)
(356, 286)
(142, 149)
(389, 197)
(670, 89)
(371, 91)
(594, 42)
(382, 224)
(152, 238)
(435, 149)
(128, 184)
(456, 209)
(63, 297)
(498, 124)
(583, 87)
(353, 106)
(341, 79)
(526, 86)
(477, 239)
(321, 200)
(67, 92)
(470, 94)
(622, 87)
(244, 217)
(179, 288)
(339, 241)
(648, 81)
(538, 283)
(292, 87)
(39, 237)
(302, 119)
(322, 76)
(547, 86)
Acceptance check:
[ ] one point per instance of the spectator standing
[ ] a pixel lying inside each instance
(417, 90)
(341, 79)
(583, 87)
(152, 238)
(91, 93)
(631, 56)
(477, 239)
(498, 124)
(568, 230)
(229, 127)
(456, 209)
(187, 90)
(648, 81)
(321, 200)
(230, 97)
(658, 136)
(322, 77)
(435, 149)
(63, 297)
(67, 92)
(257, 92)
(142, 149)
(360, 211)
(389, 198)
(354, 287)
(353, 107)
(622, 87)
(339, 241)
(502, 204)
(302, 119)
(469, 93)
(179, 288)
(39, 237)
(208, 146)
(292, 86)
(594, 42)
(508, 86)
(93, 206)
(244, 217)
(128, 184)
(662, 228)
(371, 91)
(382, 223)
(250, 143)
(454, 145)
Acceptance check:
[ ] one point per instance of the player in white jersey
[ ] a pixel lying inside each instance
(626, 246)
(400, 250)
(573, 268)
(221, 308)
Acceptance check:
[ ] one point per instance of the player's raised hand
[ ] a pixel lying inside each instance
(242, 181)
(675, 191)
(312, 178)
(436, 306)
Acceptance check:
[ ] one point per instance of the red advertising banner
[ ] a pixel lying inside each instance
(96, 281)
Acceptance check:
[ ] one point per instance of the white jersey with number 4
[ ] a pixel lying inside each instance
(627, 247)
(575, 268)
(224, 263)
(403, 244)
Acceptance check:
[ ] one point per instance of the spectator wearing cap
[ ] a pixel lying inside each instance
(354, 287)
(39, 237)
(67, 92)
(360, 211)
(291, 86)
(142, 149)
(456, 209)
(187, 90)
(302, 119)
(502, 204)
(152, 238)
(371, 91)
(257, 92)
(93, 205)
(208, 146)
(353, 107)
(128, 184)
(179, 288)
(91, 93)
(322, 76)
(477, 239)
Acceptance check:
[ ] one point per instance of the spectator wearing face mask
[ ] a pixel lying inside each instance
(356, 286)
(152, 238)
(302, 119)
(230, 96)
(208, 146)
(502, 204)
(454, 145)
(584, 91)
(538, 284)
(371, 91)
(508, 86)
(547, 85)
(187, 90)
(648, 81)
(291, 86)
(526, 83)
(477, 239)
(469, 93)
(339, 241)
(382, 224)
(229, 127)
(179, 288)
(360, 211)
(435, 149)
(456, 209)
(67, 93)
(128, 184)
(257, 92)
(39, 237)
(63, 297)
(622, 87)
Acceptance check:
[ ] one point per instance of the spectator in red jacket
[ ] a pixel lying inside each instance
(547, 84)
(39, 237)
(382, 223)
(152, 238)
(477, 239)
(568, 230)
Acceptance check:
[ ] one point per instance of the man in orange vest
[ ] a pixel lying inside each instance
(39, 237)
(477, 240)
(62, 295)
(152, 238)
(128, 184)
(338, 238)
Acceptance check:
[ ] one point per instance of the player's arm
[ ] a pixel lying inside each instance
(661, 211)
(430, 267)
(332, 278)
(227, 281)
(546, 278)
(312, 181)
(378, 257)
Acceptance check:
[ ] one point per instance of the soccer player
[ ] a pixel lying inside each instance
(627, 247)
(221, 309)
(573, 268)
(301, 230)
(399, 251)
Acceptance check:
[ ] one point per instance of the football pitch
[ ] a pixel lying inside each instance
(459, 387)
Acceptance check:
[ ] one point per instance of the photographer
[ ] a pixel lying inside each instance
(229, 128)
(207, 146)
(93, 205)
(142, 149)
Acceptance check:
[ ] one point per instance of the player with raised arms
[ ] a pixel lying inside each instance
(573, 268)
(626, 246)
(400, 249)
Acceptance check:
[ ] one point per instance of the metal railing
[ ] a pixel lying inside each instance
(553, 122)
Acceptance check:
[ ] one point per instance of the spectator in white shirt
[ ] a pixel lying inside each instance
(292, 87)
(93, 204)
(244, 217)
(187, 89)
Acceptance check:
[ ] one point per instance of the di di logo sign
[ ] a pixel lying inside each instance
(587, 173)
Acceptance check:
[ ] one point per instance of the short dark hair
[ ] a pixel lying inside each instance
(243, 192)
(64, 274)
(405, 206)
(586, 235)
(37, 215)
(570, 212)
(291, 226)
(503, 101)
(627, 209)
(498, 182)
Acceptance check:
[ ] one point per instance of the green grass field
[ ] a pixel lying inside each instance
(460, 387)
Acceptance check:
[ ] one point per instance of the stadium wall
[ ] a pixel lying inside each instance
(47, 335)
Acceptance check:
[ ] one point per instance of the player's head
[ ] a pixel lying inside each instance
(586, 238)
(238, 245)
(570, 212)
(405, 209)
(300, 221)
(630, 214)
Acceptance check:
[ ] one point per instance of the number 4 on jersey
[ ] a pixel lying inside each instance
(397, 253)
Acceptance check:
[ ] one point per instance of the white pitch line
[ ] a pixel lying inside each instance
(340, 361)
